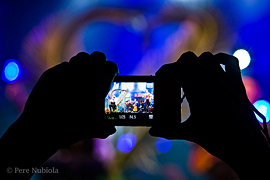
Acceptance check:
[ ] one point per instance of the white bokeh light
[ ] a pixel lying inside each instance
(243, 57)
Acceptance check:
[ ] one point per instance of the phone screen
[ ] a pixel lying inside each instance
(130, 101)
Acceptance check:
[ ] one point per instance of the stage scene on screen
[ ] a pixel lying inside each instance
(130, 97)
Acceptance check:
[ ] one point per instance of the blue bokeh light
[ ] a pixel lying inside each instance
(11, 71)
(264, 107)
(163, 145)
(126, 142)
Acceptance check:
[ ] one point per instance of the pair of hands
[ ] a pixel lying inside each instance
(65, 106)
(69, 96)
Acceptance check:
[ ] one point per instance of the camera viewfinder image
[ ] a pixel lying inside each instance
(127, 98)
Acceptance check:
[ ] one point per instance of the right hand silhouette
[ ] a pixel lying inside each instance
(221, 119)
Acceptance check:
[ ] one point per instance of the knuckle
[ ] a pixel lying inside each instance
(206, 55)
(163, 70)
(187, 56)
(82, 54)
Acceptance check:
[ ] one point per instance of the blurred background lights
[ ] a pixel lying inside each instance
(126, 142)
(243, 57)
(11, 71)
(253, 88)
(163, 145)
(264, 107)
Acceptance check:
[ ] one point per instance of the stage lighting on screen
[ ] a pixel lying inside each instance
(11, 71)
(126, 142)
(264, 107)
(243, 57)
(163, 145)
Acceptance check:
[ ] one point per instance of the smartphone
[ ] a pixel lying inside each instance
(140, 101)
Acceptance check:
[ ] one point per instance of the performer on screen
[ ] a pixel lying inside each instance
(129, 105)
(112, 104)
(147, 96)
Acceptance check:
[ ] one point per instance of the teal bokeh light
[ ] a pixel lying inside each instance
(263, 107)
